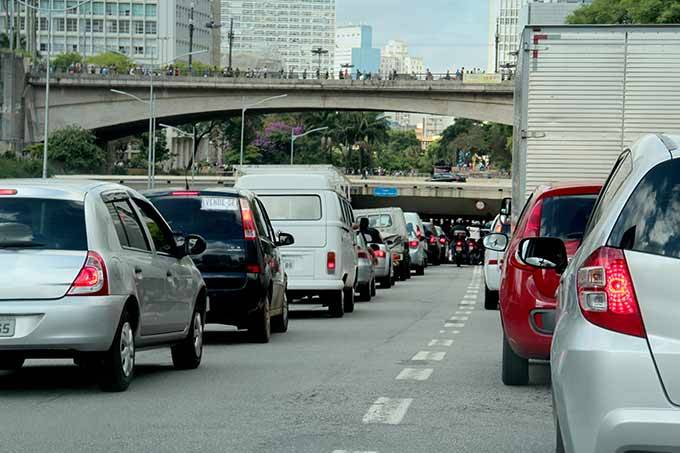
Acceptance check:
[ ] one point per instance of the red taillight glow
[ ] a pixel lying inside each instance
(185, 193)
(606, 293)
(533, 227)
(5, 192)
(92, 279)
(493, 262)
(413, 244)
(253, 268)
(330, 262)
(433, 240)
(362, 255)
(459, 243)
(442, 241)
(379, 253)
(249, 230)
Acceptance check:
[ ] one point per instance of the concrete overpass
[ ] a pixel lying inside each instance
(475, 198)
(86, 100)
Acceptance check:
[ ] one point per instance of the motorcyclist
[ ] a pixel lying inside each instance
(460, 232)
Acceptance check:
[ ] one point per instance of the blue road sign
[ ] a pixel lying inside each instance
(386, 192)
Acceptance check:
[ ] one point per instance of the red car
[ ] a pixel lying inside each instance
(527, 295)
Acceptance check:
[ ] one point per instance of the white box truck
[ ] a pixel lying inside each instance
(583, 93)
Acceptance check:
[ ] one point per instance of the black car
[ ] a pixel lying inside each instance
(448, 177)
(434, 247)
(242, 265)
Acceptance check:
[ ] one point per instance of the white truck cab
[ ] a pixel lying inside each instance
(313, 205)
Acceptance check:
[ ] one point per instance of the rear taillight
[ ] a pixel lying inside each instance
(432, 240)
(395, 256)
(5, 192)
(442, 241)
(253, 268)
(413, 244)
(533, 227)
(185, 193)
(92, 279)
(362, 255)
(249, 230)
(606, 293)
(379, 254)
(330, 262)
(459, 243)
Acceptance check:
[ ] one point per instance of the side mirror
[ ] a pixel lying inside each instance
(496, 242)
(195, 244)
(506, 207)
(544, 253)
(285, 239)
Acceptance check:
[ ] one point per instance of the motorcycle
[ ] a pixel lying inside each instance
(459, 251)
(475, 252)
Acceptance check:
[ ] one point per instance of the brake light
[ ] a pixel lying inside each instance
(330, 262)
(4, 192)
(493, 262)
(442, 241)
(413, 244)
(533, 227)
(418, 232)
(92, 279)
(606, 293)
(379, 253)
(253, 268)
(395, 256)
(185, 193)
(459, 243)
(362, 255)
(432, 240)
(249, 230)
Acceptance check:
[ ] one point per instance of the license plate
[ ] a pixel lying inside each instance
(459, 249)
(7, 327)
(288, 265)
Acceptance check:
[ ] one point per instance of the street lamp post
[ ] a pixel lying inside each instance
(319, 51)
(244, 108)
(191, 39)
(193, 146)
(49, 11)
(294, 137)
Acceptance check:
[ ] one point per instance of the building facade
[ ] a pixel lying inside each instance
(148, 31)
(395, 57)
(354, 49)
(293, 35)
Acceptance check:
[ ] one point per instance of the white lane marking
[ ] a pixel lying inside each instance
(388, 411)
(442, 331)
(458, 318)
(440, 343)
(429, 355)
(415, 374)
(353, 451)
(469, 296)
(455, 332)
(454, 324)
(463, 312)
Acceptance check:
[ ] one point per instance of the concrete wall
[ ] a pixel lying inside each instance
(12, 85)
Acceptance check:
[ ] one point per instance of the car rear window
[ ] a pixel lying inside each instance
(215, 218)
(565, 217)
(42, 224)
(292, 207)
(650, 221)
(380, 221)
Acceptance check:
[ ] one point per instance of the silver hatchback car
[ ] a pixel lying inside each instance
(616, 349)
(91, 271)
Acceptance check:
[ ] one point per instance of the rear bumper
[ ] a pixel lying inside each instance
(382, 269)
(312, 285)
(70, 324)
(417, 258)
(234, 306)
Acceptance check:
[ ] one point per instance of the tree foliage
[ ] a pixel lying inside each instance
(112, 60)
(64, 60)
(72, 150)
(627, 12)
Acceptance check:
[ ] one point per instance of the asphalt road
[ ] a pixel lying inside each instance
(398, 375)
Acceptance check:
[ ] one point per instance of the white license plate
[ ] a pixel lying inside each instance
(7, 327)
(288, 265)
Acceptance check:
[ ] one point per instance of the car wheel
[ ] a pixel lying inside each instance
(260, 330)
(420, 270)
(365, 293)
(335, 304)
(280, 323)
(187, 355)
(118, 363)
(515, 369)
(490, 299)
(386, 282)
(373, 291)
(11, 362)
(349, 300)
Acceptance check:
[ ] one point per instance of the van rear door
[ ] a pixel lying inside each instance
(302, 216)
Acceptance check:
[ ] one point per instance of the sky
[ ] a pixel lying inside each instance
(446, 33)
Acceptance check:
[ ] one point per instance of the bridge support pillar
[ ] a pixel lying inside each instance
(13, 76)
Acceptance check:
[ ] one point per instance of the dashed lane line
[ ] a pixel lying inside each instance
(458, 318)
(440, 343)
(456, 325)
(353, 451)
(415, 374)
(387, 411)
(429, 355)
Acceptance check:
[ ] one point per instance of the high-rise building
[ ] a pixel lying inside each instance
(506, 24)
(354, 49)
(149, 31)
(293, 35)
(395, 57)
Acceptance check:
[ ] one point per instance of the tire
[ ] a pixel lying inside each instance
(117, 367)
(373, 290)
(385, 282)
(490, 299)
(364, 293)
(515, 369)
(280, 322)
(11, 362)
(420, 270)
(187, 355)
(349, 300)
(260, 327)
(335, 304)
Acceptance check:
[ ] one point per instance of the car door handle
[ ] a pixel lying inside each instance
(138, 273)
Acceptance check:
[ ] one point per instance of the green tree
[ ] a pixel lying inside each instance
(13, 167)
(112, 60)
(627, 12)
(62, 61)
(402, 151)
(141, 159)
(73, 150)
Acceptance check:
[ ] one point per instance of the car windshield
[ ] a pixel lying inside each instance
(292, 207)
(42, 224)
(215, 218)
(565, 217)
(380, 221)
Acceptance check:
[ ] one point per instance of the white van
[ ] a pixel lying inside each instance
(313, 208)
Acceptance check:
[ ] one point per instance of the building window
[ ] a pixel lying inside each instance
(43, 24)
(124, 26)
(98, 26)
(72, 25)
(138, 10)
(150, 10)
(59, 24)
(138, 27)
(98, 8)
(111, 9)
(111, 26)
(150, 28)
(124, 9)
(139, 50)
